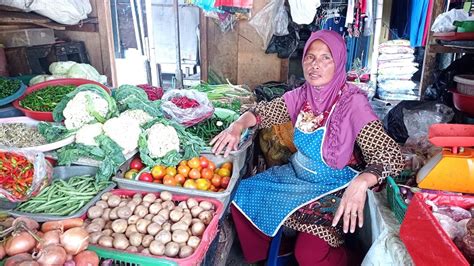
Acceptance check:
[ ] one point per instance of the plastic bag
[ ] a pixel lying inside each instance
(264, 21)
(281, 22)
(418, 121)
(444, 22)
(69, 12)
(284, 45)
(187, 116)
(41, 175)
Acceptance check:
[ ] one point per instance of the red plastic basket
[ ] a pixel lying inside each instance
(48, 116)
(209, 234)
(423, 236)
(463, 102)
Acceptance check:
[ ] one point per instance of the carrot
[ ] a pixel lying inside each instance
(62, 224)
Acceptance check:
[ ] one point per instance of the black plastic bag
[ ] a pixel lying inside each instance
(284, 45)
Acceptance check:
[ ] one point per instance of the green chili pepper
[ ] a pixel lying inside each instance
(46, 99)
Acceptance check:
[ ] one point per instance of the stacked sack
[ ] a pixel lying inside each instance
(396, 67)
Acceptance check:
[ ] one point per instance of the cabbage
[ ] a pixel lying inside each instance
(86, 71)
(61, 68)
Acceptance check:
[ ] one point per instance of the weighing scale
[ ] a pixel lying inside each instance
(453, 168)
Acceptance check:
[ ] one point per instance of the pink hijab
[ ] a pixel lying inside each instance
(352, 111)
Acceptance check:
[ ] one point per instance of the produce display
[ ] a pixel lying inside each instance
(149, 224)
(228, 95)
(16, 175)
(53, 243)
(8, 87)
(197, 173)
(210, 127)
(63, 198)
(20, 135)
(46, 99)
(153, 93)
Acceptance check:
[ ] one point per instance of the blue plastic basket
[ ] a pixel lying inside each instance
(15, 95)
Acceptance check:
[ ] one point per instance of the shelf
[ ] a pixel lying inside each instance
(439, 49)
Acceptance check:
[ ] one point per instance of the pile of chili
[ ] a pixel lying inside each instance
(184, 102)
(16, 174)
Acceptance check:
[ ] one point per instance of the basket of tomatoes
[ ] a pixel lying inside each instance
(206, 176)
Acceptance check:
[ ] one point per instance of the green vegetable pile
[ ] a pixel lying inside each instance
(63, 198)
(8, 87)
(209, 128)
(45, 100)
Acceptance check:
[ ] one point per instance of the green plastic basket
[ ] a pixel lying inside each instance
(395, 201)
(127, 259)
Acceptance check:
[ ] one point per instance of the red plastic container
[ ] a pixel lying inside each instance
(451, 135)
(209, 234)
(48, 116)
(463, 102)
(423, 236)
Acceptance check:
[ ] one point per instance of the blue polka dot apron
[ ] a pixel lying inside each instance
(269, 198)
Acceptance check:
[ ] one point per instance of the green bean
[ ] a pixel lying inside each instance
(46, 99)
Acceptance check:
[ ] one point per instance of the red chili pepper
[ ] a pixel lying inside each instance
(16, 175)
(184, 102)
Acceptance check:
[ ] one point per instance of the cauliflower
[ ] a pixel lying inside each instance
(125, 131)
(86, 134)
(76, 114)
(138, 115)
(162, 139)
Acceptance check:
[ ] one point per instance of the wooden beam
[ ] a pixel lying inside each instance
(203, 45)
(439, 49)
(106, 40)
(21, 17)
(429, 61)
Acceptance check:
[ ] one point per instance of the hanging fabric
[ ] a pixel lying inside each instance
(419, 10)
(303, 11)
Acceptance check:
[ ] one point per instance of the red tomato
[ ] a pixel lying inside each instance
(136, 164)
(225, 181)
(207, 173)
(194, 174)
(204, 162)
(147, 177)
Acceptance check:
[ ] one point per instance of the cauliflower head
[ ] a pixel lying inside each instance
(162, 139)
(124, 131)
(76, 114)
(138, 115)
(87, 133)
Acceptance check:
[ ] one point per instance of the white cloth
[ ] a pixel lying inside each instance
(303, 11)
(350, 12)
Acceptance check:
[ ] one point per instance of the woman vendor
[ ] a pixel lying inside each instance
(319, 193)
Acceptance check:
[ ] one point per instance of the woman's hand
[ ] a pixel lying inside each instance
(228, 139)
(352, 203)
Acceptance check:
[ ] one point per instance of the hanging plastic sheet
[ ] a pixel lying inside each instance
(262, 22)
(235, 3)
(284, 46)
(303, 11)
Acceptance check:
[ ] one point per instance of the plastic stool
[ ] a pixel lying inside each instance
(274, 259)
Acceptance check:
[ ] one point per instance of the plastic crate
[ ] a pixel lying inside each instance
(223, 196)
(64, 173)
(124, 258)
(395, 201)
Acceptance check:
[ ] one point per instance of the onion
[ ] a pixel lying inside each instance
(69, 263)
(17, 259)
(29, 263)
(30, 224)
(52, 255)
(20, 243)
(51, 237)
(86, 258)
(2, 252)
(75, 240)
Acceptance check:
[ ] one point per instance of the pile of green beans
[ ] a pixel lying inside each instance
(8, 87)
(63, 198)
(46, 99)
(209, 128)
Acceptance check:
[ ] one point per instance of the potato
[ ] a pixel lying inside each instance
(196, 210)
(147, 240)
(94, 227)
(94, 237)
(198, 229)
(165, 195)
(114, 201)
(157, 248)
(206, 205)
(142, 225)
(163, 236)
(205, 217)
(187, 218)
(124, 212)
(191, 203)
(108, 225)
(95, 212)
(133, 219)
(165, 213)
(168, 205)
(106, 214)
(141, 211)
(179, 226)
(180, 236)
(102, 203)
(195, 220)
(119, 226)
(145, 204)
(106, 241)
(107, 232)
(132, 205)
(183, 205)
(166, 226)
(159, 219)
(100, 221)
(120, 242)
(130, 230)
(175, 215)
(137, 196)
(122, 204)
(106, 196)
(171, 249)
(185, 251)
(113, 214)
(155, 208)
(145, 251)
(136, 239)
(149, 217)
(132, 249)
(150, 197)
(194, 241)
(153, 228)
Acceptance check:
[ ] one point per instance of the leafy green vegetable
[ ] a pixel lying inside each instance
(53, 132)
(130, 97)
(8, 87)
(58, 110)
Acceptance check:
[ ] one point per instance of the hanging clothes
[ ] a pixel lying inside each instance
(419, 10)
(303, 11)
(427, 23)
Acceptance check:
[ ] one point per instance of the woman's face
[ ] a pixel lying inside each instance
(318, 64)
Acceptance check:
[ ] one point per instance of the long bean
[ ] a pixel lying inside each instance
(64, 197)
(209, 128)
